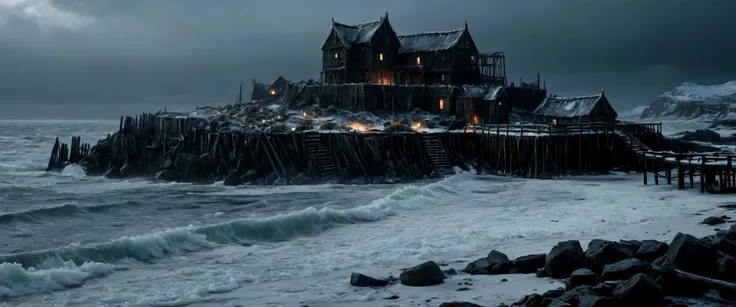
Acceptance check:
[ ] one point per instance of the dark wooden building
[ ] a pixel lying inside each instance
(483, 105)
(567, 110)
(274, 90)
(371, 52)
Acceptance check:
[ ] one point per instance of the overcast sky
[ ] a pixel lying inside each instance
(155, 52)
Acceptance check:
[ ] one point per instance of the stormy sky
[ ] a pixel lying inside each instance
(103, 57)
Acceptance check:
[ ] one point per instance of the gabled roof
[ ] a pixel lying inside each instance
(489, 93)
(430, 41)
(356, 34)
(569, 106)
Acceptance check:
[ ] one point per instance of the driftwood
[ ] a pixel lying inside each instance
(701, 281)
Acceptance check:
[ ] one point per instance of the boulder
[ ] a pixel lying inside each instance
(425, 274)
(730, 233)
(584, 296)
(651, 250)
(604, 288)
(581, 277)
(600, 253)
(625, 269)
(495, 263)
(531, 300)
(564, 258)
(541, 272)
(724, 245)
(554, 293)
(713, 220)
(558, 303)
(726, 269)
(639, 290)
(530, 263)
(459, 304)
(360, 280)
(631, 245)
(689, 254)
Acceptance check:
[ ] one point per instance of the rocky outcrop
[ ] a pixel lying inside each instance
(691, 100)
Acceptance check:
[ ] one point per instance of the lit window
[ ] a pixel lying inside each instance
(499, 103)
(336, 56)
(472, 58)
(442, 104)
(273, 92)
(554, 122)
(380, 56)
(419, 60)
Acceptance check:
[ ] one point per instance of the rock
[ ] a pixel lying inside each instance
(601, 252)
(692, 255)
(425, 274)
(631, 245)
(604, 289)
(233, 179)
(651, 250)
(300, 178)
(450, 272)
(639, 290)
(581, 277)
(726, 269)
(542, 272)
(724, 245)
(584, 296)
(280, 181)
(625, 269)
(393, 297)
(531, 300)
(459, 304)
(675, 286)
(168, 164)
(564, 258)
(658, 263)
(495, 263)
(701, 135)
(730, 233)
(558, 303)
(713, 220)
(554, 293)
(360, 280)
(530, 263)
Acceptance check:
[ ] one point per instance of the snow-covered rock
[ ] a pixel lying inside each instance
(690, 100)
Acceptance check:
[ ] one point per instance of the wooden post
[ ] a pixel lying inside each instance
(702, 174)
(645, 168)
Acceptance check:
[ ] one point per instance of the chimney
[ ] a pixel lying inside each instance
(386, 17)
(466, 25)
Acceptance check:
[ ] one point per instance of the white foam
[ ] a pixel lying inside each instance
(16, 281)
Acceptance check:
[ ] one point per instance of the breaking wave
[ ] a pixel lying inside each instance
(308, 221)
(66, 209)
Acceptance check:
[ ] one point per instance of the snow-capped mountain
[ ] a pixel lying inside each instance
(691, 100)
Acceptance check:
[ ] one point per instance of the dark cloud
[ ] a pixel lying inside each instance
(123, 51)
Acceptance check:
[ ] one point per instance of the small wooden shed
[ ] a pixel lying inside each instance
(569, 110)
(483, 105)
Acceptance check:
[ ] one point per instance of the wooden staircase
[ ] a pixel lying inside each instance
(632, 142)
(320, 154)
(437, 154)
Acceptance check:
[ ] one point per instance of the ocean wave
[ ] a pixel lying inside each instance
(65, 209)
(311, 220)
(17, 281)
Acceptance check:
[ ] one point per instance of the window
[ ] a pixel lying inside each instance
(442, 77)
(442, 104)
(554, 122)
(443, 57)
(336, 55)
(380, 56)
(419, 60)
(472, 58)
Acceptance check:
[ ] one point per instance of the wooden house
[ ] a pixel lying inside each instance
(483, 105)
(449, 57)
(568, 110)
(371, 52)
(362, 53)
(272, 91)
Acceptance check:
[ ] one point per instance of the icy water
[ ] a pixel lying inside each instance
(71, 240)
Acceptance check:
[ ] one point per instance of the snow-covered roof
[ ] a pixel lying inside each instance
(482, 92)
(356, 34)
(430, 41)
(568, 106)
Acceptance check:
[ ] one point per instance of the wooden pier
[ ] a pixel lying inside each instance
(190, 149)
(716, 171)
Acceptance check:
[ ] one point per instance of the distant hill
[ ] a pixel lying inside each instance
(691, 100)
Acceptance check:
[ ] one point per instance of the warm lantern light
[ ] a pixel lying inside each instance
(419, 60)
(304, 114)
(360, 126)
(442, 104)
(380, 56)
(293, 129)
(499, 103)
(554, 122)
(416, 126)
(476, 119)
(273, 92)
(263, 121)
(472, 58)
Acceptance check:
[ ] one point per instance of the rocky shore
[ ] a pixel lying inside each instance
(608, 273)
